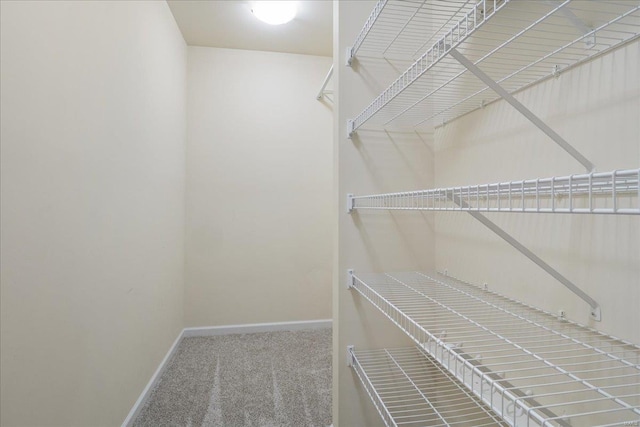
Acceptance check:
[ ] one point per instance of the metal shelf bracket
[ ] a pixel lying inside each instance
(522, 109)
(350, 202)
(579, 24)
(350, 349)
(350, 278)
(595, 311)
(349, 57)
(350, 128)
(322, 91)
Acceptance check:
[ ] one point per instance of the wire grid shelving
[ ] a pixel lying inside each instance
(615, 192)
(409, 388)
(516, 43)
(403, 30)
(530, 367)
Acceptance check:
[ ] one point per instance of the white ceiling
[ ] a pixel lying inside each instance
(230, 24)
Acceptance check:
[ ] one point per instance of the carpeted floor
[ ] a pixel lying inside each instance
(262, 379)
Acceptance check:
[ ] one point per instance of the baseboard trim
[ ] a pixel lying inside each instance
(209, 331)
(146, 393)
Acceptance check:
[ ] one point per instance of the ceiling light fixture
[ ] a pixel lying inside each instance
(274, 12)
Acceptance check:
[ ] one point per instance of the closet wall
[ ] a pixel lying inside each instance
(374, 161)
(93, 136)
(258, 193)
(595, 107)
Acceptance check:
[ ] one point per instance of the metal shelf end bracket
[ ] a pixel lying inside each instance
(350, 129)
(350, 202)
(350, 355)
(350, 278)
(596, 314)
(349, 57)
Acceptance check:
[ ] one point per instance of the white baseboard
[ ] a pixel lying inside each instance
(144, 396)
(208, 331)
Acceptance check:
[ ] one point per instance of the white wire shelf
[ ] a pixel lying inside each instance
(530, 367)
(403, 30)
(615, 192)
(409, 388)
(516, 43)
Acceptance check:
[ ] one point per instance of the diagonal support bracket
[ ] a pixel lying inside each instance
(522, 109)
(579, 24)
(595, 307)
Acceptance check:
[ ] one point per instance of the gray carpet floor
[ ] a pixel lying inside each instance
(248, 380)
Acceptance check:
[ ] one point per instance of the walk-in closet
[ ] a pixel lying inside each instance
(319, 213)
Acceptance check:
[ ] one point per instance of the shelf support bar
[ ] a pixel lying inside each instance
(590, 40)
(324, 84)
(595, 307)
(522, 109)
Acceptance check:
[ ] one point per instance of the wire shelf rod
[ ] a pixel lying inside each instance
(480, 314)
(487, 55)
(526, 58)
(600, 193)
(401, 29)
(521, 348)
(557, 334)
(368, 25)
(471, 288)
(588, 378)
(530, 48)
(417, 388)
(464, 28)
(414, 390)
(548, 385)
(441, 28)
(592, 367)
(420, 336)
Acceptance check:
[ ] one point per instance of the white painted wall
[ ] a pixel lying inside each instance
(93, 163)
(374, 161)
(596, 107)
(258, 194)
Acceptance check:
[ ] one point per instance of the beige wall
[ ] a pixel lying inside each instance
(596, 108)
(93, 136)
(259, 177)
(374, 161)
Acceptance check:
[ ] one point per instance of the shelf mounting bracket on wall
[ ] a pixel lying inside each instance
(579, 24)
(522, 109)
(323, 90)
(349, 57)
(595, 307)
(350, 349)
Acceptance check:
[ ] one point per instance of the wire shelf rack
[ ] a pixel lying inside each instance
(615, 192)
(516, 43)
(409, 388)
(531, 367)
(403, 30)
